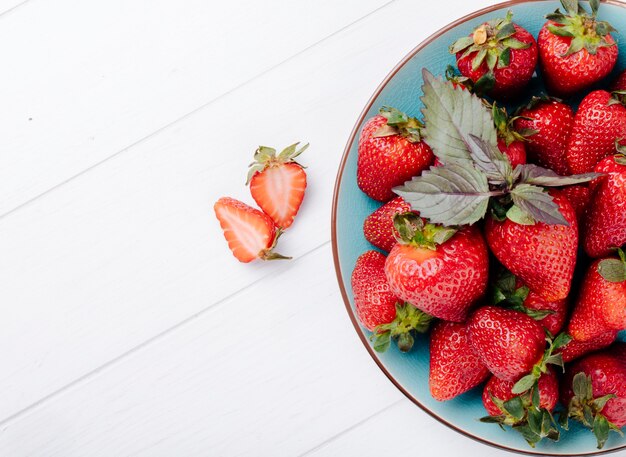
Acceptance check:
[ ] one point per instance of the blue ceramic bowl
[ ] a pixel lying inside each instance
(409, 372)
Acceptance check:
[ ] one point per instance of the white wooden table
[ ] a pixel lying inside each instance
(127, 327)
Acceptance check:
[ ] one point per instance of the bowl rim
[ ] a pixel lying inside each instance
(338, 179)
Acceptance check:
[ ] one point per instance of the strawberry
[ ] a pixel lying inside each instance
(454, 368)
(277, 183)
(250, 233)
(510, 142)
(575, 349)
(548, 123)
(439, 270)
(379, 310)
(375, 304)
(601, 305)
(508, 342)
(575, 49)
(594, 390)
(500, 389)
(378, 226)
(599, 121)
(579, 196)
(499, 57)
(390, 152)
(604, 228)
(511, 292)
(543, 256)
(528, 413)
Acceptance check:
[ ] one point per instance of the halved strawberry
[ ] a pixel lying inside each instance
(277, 183)
(250, 233)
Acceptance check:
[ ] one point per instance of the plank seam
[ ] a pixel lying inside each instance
(188, 114)
(143, 345)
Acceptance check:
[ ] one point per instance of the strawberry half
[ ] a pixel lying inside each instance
(278, 182)
(250, 233)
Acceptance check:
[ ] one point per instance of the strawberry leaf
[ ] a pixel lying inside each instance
(519, 216)
(539, 176)
(450, 195)
(488, 159)
(451, 115)
(538, 204)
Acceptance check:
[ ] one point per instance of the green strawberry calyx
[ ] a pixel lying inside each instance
(504, 126)
(411, 229)
(265, 157)
(505, 292)
(492, 43)
(475, 175)
(585, 30)
(458, 79)
(549, 358)
(408, 321)
(613, 270)
(524, 414)
(586, 409)
(269, 254)
(620, 147)
(398, 123)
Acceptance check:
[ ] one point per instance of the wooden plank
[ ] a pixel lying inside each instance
(274, 370)
(401, 429)
(90, 78)
(129, 249)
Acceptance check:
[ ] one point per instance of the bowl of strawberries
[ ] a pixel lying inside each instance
(479, 226)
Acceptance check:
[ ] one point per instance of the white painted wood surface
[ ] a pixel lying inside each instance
(128, 329)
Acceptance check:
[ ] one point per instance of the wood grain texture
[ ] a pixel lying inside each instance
(138, 333)
(100, 76)
(250, 377)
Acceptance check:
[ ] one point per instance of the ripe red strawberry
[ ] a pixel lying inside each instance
(601, 305)
(454, 368)
(579, 196)
(379, 310)
(500, 389)
(277, 183)
(508, 342)
(499, 57)
(528, 413)
(390, 152)
(250, 233)
(515, 151)
(598, 123)
(575, 349)
(378, 226)
(511, 292)
(439, 271)
(604, 227)
(543, 256)
(594, 390)
(510, 142)
(551, 123)
(575, 49)
(375, 304)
